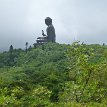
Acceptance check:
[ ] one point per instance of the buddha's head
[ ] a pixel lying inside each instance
(48, 21)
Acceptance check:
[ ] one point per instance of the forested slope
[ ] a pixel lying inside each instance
(54, 75)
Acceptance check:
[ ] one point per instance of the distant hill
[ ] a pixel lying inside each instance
(51, 52)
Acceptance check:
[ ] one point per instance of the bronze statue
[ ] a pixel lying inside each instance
(50, 30)
(50, 37)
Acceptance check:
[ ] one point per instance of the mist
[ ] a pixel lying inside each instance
(21, 21)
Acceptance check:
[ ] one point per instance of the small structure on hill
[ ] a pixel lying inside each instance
(50, 37)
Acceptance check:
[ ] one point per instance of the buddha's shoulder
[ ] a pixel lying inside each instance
(50, 27)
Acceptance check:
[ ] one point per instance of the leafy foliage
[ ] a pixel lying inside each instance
(54, 75)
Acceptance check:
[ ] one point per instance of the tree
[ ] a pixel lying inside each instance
(11, 49)
(85, 74)
(30, 47)
(26, 46)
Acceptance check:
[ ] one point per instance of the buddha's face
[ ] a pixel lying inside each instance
(47, 23)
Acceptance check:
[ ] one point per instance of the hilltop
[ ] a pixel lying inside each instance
(54, 75)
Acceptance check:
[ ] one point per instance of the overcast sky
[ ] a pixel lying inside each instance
(22, 21)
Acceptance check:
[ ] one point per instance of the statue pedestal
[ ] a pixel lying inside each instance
(41, 40)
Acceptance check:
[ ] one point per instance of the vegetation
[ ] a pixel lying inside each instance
(54, 75)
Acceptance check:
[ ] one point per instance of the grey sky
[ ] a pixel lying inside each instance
(22, 21)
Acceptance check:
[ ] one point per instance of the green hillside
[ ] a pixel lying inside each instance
(54, 75)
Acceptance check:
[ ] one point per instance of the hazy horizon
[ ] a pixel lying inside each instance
(21, 21)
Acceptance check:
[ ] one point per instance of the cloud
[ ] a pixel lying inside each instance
(23, 20)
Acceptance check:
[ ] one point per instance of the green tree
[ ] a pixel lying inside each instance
(11, 49)
(84, 75)
(26, 46)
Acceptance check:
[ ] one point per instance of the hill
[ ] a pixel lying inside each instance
(54, 75)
